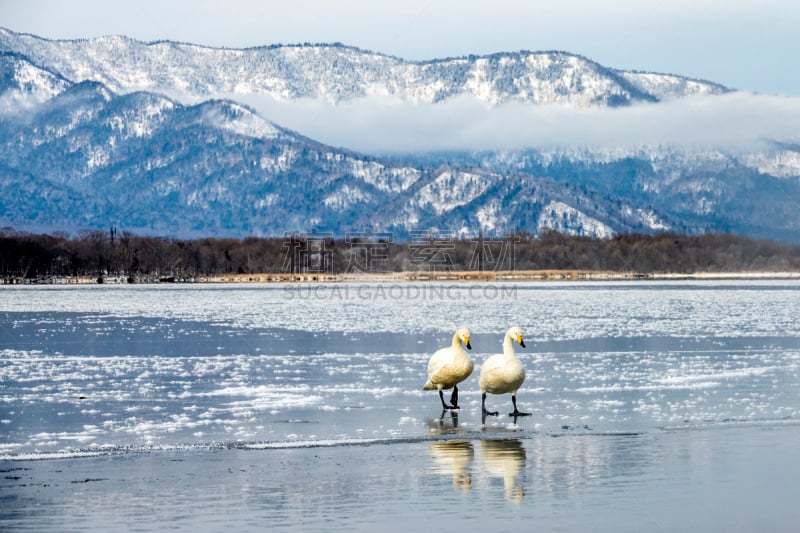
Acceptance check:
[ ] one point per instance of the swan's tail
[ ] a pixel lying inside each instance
(429, 386)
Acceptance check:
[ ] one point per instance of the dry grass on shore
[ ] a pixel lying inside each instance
(414, 276)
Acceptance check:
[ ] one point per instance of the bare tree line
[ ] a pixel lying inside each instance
(28, 256)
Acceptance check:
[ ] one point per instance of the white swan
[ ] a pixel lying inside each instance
(503, 373)
(450, 366)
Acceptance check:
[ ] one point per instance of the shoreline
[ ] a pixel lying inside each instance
(512, 478)
(505, 276)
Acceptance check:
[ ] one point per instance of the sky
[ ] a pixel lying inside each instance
(751, 45)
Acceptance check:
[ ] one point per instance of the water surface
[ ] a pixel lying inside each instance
(301, 403)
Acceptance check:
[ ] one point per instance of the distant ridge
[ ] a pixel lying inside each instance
(337, 72)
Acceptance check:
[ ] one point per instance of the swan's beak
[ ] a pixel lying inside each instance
(519, 340)
(466, 341)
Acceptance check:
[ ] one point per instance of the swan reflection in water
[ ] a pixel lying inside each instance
(454, 457)
(446, 423)
(505, 458)
(451, 457)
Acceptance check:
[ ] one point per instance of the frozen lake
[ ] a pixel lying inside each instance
(277, 397)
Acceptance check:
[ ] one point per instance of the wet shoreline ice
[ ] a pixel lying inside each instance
(732, 479)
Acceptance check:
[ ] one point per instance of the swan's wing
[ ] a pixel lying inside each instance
(439, 360)
(492, 363)
(491, 369)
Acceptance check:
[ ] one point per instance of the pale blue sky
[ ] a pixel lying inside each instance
(745, 44)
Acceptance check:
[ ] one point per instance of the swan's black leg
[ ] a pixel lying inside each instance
(516, 412)
(454, 398)
(441, 397)
(483, 406)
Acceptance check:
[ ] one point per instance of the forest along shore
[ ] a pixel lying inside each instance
(97, 257)
(397, 277)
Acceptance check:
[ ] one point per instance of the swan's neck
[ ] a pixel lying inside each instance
(508, 346)
(456, 344)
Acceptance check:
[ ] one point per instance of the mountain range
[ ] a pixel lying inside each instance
(156, 138)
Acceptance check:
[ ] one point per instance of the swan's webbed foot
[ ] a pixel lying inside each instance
(516, 412)
(444, 405)
(483, 407)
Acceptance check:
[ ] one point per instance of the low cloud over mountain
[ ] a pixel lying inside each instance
(735, 120)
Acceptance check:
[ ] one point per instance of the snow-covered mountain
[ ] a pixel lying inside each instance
(89, 139)
(336, 73)
(23, 84)
(90, 158)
